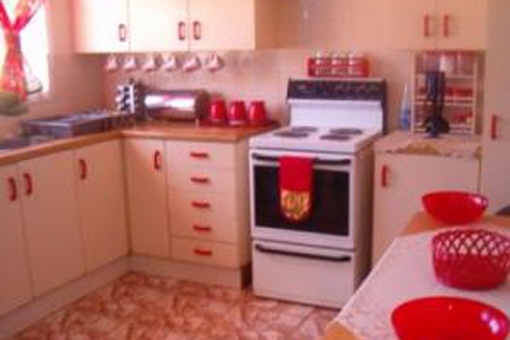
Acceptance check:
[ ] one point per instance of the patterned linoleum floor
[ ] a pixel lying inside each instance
(140, 306)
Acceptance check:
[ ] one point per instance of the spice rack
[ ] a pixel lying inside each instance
(338, 65)
(462, 90)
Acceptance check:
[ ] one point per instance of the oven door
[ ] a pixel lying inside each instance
(330, 222)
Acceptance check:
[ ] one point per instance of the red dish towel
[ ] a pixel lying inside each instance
(296, 177)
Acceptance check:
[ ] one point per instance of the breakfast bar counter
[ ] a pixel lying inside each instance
(421, 224)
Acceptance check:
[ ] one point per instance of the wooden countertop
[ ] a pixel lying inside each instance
(181, 131)
(421, 222)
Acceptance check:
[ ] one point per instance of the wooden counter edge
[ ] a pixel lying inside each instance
(420, 222)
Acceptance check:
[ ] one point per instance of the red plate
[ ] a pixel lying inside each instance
(455, 207)
(449, 318)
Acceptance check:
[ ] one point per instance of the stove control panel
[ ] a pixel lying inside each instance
(366, 89)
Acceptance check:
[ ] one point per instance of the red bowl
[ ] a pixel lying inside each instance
(455, 207)
(448, 318)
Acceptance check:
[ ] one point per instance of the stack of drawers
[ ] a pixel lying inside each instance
(208, 202)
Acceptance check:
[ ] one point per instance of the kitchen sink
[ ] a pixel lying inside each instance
(23, 141)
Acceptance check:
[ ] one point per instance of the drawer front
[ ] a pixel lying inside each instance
(196, 154)
(208, 253)
(203, 205)
(199, 178)
(213, 227)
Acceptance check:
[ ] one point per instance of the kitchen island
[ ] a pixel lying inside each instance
(421, 223)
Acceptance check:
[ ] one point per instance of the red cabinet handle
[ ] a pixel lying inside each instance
(29, 187)
(202, 228)
(202, 252)
(181, 30)
(494, 127)
(199, 180)
(200, 204)
(426, 25)
(157, 160)
(83, 169)
(122, 31)
(446, 25)
(13, 195)
(384, 176)
(197, 30)
(195, 154)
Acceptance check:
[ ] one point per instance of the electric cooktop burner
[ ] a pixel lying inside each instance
(335, 137)
(303, 129)
(291, 134)
(346, 131)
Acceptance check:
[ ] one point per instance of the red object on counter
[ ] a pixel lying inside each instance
(218, 112)
(237, 113)
(471, 258)
(455, 207)
(257, 115)
(449, 318)
(296, 182)
(357, 67)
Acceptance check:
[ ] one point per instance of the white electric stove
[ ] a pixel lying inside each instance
(322, 259)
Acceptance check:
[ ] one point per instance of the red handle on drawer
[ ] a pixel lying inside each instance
(199, 180)
(202, 252)
(494, 127)
(202, 228)
(181, 30)
(426, 25)
(195, 154)
(29, 188)
(384, 176)
(13, 195)
(446, 25)
(83, 169)
(157, 160)
(200, 204)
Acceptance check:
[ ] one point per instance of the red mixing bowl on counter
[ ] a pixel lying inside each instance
(455, 207)
(449, 318)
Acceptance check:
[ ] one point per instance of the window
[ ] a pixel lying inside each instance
(34, 43)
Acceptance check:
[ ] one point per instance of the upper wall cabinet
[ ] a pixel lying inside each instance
(173, 25)
(441, 24)
(100, 26)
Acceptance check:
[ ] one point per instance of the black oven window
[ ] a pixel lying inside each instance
(330, 211)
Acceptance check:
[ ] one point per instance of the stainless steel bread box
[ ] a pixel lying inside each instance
(180, 105)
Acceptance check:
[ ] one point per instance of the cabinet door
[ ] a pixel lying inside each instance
(401, 180)
(100, 26)
(158, 25)
(496, 137)
(222, 24)
(147, 196)
(14, 277)
(54, 238)
(462, 24)
(412, 24)
(101, 200)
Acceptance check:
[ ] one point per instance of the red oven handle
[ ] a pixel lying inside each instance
(384, 176)
(13, 196)
(267, 250)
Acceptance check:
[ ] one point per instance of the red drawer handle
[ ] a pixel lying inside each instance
(384, 176)
(202, 252)
(426, 25)
(181, 30)
(494, 127)
(446, 26)
(13, 195)
(83, 169)
(122, 31)
(202, 228)
(199, 180)
(195, 154)
(197, 30)
(157, 160)
(201, 205)
(29, 187)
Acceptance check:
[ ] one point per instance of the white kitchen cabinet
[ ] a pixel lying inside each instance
(15, 288)
(100, 26)
(442, 24)
(401, 180)
(147, 205)
(101, 201)
(50, 209)
(496, 136)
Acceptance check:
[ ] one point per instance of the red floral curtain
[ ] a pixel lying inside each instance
(13, 75)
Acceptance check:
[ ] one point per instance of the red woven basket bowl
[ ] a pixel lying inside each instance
(455, 207)
(471, 258)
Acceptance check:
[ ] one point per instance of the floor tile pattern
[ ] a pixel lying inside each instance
(146, 307)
